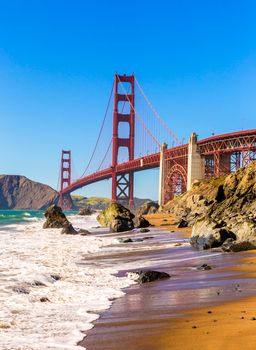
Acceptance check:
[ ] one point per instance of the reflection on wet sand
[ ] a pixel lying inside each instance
(148, 312)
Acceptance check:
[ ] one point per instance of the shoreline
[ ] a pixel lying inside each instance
(161, 317)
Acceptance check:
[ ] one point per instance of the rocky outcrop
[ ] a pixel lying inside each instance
(117, 218)
(220, 209)
(18, 192)
(149, 207)
(55, 218)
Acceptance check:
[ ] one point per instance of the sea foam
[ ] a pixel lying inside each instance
(49, 297)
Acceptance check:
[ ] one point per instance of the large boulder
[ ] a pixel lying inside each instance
(231, 245)
(55, 218)
(140, 222)
(209, 234)
(117, 218)
(121, 224)
(147, 208)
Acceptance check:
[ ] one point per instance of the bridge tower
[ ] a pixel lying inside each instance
(122, 184)
(65, 175)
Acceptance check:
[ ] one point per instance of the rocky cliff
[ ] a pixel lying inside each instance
(18, 192)
(220, 209)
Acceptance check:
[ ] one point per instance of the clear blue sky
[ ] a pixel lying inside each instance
(195, 59)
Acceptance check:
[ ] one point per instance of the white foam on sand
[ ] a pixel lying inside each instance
(46, 264)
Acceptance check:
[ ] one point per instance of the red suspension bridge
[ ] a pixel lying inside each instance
(141, 140)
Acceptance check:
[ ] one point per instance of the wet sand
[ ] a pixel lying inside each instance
(191, 310)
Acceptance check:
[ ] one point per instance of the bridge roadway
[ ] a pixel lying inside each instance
(226, 143)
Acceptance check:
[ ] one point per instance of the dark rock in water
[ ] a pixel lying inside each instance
(144, 230)
(140, 222)
(148, 237)
(38, 284)
(182, 223)
(85, 211)
(137, 240)
(55, 218)
(44, 300)
(231, 245)
(147, 208)
(204, 267)
(117, 217)
(121, 224)
(150, 276)
(83, 232)
(125, 240)
(55, 277)
(69, 230)
(20, 290)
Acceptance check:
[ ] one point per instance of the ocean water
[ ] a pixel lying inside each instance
(48, 296)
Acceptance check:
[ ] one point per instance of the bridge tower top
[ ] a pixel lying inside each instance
(122, 185)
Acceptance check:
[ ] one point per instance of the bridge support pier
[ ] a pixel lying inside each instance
(195, 162)
(161, 190)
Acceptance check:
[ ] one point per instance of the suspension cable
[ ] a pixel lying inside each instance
(156, 114)
(101, 129)
(137, 114)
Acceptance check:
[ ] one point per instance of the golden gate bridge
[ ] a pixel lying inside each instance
(141, 140)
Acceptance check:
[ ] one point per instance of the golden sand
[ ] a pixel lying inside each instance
(229, 326)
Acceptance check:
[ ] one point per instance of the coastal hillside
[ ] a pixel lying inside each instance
(18, 192)
(100, 203)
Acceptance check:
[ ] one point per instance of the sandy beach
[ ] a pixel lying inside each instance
(194, 309)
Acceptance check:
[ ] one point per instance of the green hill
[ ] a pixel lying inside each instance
(99, 203)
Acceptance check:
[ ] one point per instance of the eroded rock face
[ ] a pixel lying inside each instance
(220, 208)
(117, 218)
(55, 218)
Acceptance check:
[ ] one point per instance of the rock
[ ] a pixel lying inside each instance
(144, 230)
(55, 278)
(231, 245)
(83, 232)
(20, 290)
(149, 276)
(207, 234)
(55, 218)
(124, 240)
(69, 230)
(117, 217)
(147, 208)
(44, 300)
(121, 225)
(182, 223)
(204, 267)
(140, 222)
(85, 211)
